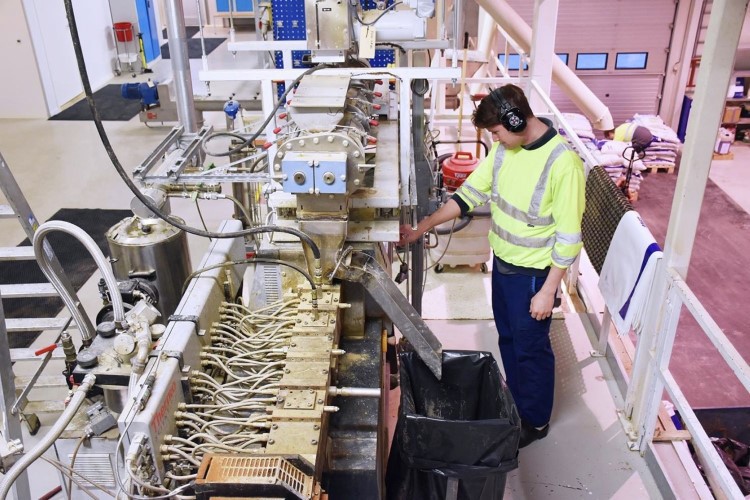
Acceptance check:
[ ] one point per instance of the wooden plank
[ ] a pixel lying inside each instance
(728, 156)
(654, 169)
(663, 436)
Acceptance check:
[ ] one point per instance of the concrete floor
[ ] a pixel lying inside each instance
(62, 165)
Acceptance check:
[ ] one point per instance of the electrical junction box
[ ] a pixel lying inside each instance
(327, 25)
(317, 172)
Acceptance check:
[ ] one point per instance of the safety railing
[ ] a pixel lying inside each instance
(510, 43)
(679, 294)
(562, 122)
(642, 428)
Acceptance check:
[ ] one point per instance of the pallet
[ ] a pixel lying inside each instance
(654, 169)
(728, 156)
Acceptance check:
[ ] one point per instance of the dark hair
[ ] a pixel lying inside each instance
(487, 114)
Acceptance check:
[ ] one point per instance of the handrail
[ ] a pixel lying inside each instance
(717, 337)
(717, 472)
(680, 294)
(512, 42)
(585, 154)
(523, 57)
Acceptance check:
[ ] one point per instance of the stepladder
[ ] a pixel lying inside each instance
(15, 406)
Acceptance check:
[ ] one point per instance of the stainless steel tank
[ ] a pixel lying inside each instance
(154, 250)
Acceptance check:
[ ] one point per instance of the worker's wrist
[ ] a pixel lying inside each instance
(550, 291)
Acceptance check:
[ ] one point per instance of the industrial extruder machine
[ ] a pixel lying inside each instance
(263, 373)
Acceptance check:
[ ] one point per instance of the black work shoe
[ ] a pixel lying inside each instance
(529, 433)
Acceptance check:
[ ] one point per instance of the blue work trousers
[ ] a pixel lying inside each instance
(524, 345)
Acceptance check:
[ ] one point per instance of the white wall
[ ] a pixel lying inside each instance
(189, 7)
(613, 26)
(191, 12)
(21, 93)
(124, 12)
(97, 40)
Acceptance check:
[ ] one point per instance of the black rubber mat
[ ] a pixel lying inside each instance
(75, 259)
(190, 32)
(605, 206)
(110, 104)
(194, 47)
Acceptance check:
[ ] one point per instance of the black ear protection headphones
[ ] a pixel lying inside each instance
(509, 116)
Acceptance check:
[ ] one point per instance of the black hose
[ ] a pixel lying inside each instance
(442, 158)
(461, 224)
(265, 123)
(470, 141)
(385, 11)
(394, 45)
(124, 176)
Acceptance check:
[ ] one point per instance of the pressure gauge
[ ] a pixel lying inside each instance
(124, 345)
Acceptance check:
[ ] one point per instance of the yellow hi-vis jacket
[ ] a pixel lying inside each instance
(624, 133)
(537, 201)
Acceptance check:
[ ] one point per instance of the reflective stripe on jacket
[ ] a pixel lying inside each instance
(537, 201)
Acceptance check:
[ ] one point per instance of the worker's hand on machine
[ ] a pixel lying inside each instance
(408, 234)
(541, 305)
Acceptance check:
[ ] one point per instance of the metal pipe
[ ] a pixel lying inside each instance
(101, 262)
(574, 88)
(355, 392)
(75, 403)
(11, 423)
(178, 53)
(456, 28)
(204, 57)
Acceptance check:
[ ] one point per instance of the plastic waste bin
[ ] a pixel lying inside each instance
(456, 437)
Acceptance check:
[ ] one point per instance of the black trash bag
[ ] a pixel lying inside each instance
(464, 426)
(736, 457)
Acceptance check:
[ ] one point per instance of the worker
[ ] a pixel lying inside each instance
(640, 137)
(535, 184)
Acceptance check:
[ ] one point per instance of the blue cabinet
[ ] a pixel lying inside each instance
(147, 27)
(239, 5)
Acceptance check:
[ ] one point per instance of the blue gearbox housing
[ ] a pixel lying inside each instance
(146, 92)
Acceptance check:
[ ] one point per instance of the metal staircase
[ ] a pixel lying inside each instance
(14, 391)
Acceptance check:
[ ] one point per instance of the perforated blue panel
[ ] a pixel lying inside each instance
(288, 24)
(297, 56)
(288, 19)
(383, 57)
(370, 4)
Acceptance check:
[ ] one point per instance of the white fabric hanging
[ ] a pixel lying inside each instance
(628, 272)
